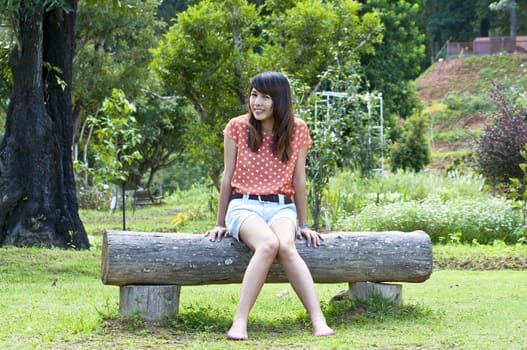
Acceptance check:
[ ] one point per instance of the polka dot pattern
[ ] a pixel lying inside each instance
(261, 172)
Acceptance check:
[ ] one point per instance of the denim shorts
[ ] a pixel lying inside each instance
(241, 208)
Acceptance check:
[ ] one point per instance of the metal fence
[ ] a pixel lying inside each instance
(484, 46)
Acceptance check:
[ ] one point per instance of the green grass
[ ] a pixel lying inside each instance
(504, 69)
(156, 218)
(51, 299)
(186, 211)
(408, 186)
(49, 295)
(451, 136)
(475, 298)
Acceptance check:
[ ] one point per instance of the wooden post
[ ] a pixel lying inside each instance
(366, 290)
(150, 303)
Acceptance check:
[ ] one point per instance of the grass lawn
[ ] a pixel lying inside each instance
(52, 299)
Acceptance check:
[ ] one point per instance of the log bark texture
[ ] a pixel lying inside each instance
(142, 258)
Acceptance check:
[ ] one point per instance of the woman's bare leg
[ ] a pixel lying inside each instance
(259, 238)
(299, 275)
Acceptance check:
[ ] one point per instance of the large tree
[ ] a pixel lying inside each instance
(312, 38)
(112, 52)
(5, 72)
(38, 205)
(213, 47)
(207, 57)
(394, 65)
(511, 17)
(168, 127)
(462, 21)
(450, 20)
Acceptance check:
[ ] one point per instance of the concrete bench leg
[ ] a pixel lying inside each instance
(151, 303)
(365, 290)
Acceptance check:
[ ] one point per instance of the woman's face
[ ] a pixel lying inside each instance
(261, 105)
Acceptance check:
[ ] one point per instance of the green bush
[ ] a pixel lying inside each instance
(93, 198)
(448, 208)
(467, 104)
(460, 219)
(453, 135)
(412, 151)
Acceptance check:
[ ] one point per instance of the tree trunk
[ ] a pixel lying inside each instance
(38, 205)
(130, 258)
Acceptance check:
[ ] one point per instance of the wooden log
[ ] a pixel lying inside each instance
(142, 258)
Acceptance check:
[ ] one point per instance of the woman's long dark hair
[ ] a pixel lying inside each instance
(277, 86)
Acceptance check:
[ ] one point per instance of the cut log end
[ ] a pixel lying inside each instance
(104, 258)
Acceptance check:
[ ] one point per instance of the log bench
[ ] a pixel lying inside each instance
(150, 268)
(143, 198)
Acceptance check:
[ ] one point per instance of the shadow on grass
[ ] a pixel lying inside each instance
(339, 313)
(206, 319)
(377, 309)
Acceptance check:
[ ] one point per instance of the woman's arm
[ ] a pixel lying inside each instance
(229, 164)
(299, 184)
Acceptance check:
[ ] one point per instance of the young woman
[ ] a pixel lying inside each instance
(263, 195)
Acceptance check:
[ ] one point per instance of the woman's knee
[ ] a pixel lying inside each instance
(287, 250)
(266, 245)
(270, 246)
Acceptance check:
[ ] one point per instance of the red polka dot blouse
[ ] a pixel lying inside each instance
(261, 172)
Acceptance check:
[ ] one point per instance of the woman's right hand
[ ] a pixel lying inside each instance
(217, 233)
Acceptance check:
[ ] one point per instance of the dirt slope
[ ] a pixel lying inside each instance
(436, 82)
(468, 79)
(464, 75)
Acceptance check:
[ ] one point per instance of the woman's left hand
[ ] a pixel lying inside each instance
(313, 237)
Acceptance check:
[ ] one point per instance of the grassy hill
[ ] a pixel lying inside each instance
(456, 96)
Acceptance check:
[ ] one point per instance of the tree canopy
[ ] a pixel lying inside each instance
(213, 48)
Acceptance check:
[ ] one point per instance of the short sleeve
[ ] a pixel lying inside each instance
(236, 129)
(301, 135)
(230, 131)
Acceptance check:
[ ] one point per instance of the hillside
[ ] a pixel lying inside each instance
(456, 93)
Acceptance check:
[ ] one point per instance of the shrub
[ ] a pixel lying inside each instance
(184, 219)
(518, 192)
(93, 198)
(348, 193)
(498, 153)
(467, 104)
(483, 221)
(412, 151)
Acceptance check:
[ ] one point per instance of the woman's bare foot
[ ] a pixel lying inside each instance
(321, 328)
(324, 332)
(238, 331)
(233, 336)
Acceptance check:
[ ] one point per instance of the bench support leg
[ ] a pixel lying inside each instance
(365, 290)
(150, 303)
